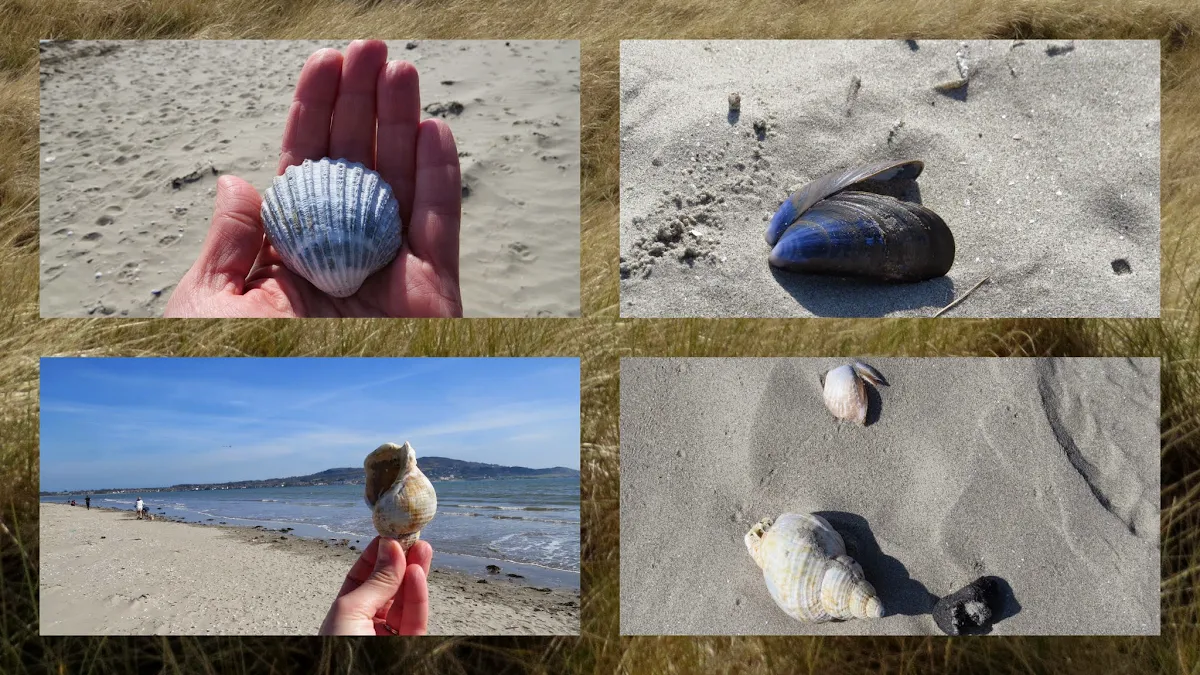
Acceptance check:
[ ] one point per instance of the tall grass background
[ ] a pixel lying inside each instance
(601, 337)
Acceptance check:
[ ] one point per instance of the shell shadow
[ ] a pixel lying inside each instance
(853, 298)
(874, 405)
(899, 592)
(734, 116)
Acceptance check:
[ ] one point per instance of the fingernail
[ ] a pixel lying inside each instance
(385, 552)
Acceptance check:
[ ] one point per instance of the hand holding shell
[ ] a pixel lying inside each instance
(401, 498)
(807, 571)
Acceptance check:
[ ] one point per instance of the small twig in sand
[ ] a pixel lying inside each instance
(961, 297)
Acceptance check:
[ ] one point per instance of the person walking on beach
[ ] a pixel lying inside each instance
(139, 507)
(88, 501)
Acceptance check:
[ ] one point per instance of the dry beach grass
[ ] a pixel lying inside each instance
(600, 338)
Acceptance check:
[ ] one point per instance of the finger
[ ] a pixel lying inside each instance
(352, 134)
(421, 554)
(399, 111)
(410, 616)
(361, 569)
(306, 135)
(437, 202)
(384, 581)
(235, 237)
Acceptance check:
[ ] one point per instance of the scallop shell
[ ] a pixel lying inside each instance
(846, 392)
(401, 498)
(825, 229)
(333, 222)
(809, 575)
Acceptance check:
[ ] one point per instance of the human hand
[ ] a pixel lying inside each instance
(382, 594)
(339, 104)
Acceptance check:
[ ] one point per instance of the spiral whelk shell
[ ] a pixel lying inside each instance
(807, 571)
(845, 391)
(333, 222)
(401, 498)
(823, 228)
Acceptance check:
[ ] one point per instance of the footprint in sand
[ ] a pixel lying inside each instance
(169, 239)
(104, 220)
(92, 236)
(521, 252)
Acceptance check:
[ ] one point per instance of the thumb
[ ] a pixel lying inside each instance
(384, 582)
(235, 237)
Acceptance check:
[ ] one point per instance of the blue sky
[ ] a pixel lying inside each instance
(149, 422)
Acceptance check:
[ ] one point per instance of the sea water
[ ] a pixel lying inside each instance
(528, 521)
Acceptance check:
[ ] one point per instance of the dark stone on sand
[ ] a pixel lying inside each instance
(410, 45)
(493, 569)
(515, 576)
(969, 610)
(481, 581)
(353, 548)
(444, 109)
(282, 538)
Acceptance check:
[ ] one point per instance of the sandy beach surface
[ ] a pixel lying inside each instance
(105, 572)
(134, 134)
(1043, 472)
(1045, 166)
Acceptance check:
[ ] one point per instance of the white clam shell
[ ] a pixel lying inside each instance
(846, 393)
(808, 573)
(401, 498)
(333, 222)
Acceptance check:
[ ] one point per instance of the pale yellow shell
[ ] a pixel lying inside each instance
(401, 498)
(846, 392)
(808, 573)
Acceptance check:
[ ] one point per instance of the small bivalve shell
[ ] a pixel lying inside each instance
(401, 498)
(808, 573)
(846, 391)
(333, 222)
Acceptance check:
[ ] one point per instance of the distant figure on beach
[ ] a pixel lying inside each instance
(366, 109)
(139, 507)
(385, 592)
(72, 502)
(88, 501)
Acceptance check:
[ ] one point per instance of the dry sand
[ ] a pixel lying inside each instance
(105, 572)
(1045, 167)
(122, 120)
(1042, 472)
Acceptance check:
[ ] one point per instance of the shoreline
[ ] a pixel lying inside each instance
(96, 580)
(458, 563)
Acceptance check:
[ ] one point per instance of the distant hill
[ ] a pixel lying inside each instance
(437, 468)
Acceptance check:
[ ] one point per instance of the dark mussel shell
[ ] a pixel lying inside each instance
(867, 235)
(832, 183)
(824, 229)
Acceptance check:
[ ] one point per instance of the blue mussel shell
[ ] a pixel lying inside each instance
(825, 229)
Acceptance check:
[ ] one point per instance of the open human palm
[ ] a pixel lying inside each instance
(362, 108)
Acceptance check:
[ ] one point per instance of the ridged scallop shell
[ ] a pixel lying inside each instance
(401, 498)
(825, 229)
(808, 574)
(333, 222)
(846, 393)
